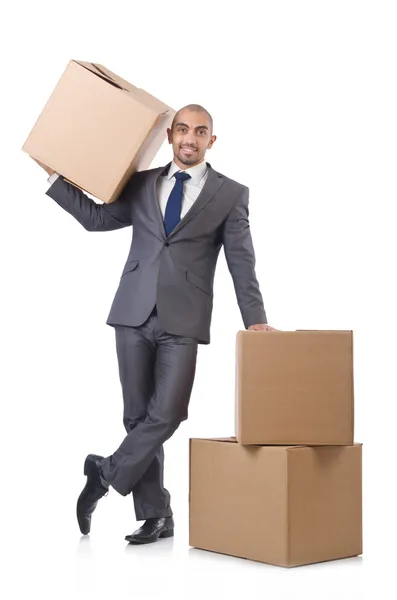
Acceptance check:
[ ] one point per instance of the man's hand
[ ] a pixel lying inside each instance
(47, 169)
(261, 327)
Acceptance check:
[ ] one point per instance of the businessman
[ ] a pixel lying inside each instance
(181, 216)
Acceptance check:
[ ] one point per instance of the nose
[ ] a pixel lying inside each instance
(190, 142)
(190, 138)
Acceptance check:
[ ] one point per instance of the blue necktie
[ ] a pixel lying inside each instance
(174, 203)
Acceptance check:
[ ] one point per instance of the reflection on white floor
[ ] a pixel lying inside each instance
(170, 569)
(47, 556)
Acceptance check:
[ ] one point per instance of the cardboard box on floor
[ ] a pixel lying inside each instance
(294, 387)
(285, 506)
(97, 129)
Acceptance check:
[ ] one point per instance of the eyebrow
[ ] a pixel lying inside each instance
(184, 125)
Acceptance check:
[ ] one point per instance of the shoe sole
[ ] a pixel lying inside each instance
(90, 472)
(164, 534)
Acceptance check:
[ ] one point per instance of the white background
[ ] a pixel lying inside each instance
(304, 98)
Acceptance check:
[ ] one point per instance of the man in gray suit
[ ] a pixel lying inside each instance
(181, 216)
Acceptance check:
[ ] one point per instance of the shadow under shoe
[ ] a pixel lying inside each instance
(94, 489)
(152, 530)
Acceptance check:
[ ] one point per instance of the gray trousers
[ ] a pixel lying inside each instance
(157, 371)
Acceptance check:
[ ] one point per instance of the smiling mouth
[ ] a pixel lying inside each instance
(189, 150)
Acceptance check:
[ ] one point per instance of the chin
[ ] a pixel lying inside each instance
(188, 161)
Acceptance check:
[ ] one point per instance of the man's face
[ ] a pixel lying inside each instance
(190, 137)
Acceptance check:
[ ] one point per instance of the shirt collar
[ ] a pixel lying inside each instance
(196, 173)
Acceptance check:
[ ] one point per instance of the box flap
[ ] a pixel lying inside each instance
(150, 101)
(233, 440)
(101, 73)
(320, 448)
(217, 439)
(327, 330)
(284, 331)
(140, 95)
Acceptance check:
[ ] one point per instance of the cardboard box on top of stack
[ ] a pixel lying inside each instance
(288, 490)
(97, 129)
(294, 387)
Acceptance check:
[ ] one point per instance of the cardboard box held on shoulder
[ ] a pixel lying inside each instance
(282, 505)
(294, 387)
(97, 129)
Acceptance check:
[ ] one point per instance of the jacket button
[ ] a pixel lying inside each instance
(167, 243)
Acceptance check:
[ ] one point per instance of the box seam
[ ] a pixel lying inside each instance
(288, 516)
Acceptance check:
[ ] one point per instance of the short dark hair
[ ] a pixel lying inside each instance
(193, 107)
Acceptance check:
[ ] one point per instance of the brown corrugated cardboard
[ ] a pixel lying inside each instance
(294, 387)
(282, 505)
(97, 129)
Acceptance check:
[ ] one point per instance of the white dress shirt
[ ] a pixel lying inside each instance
(52, 178)
(191, 187)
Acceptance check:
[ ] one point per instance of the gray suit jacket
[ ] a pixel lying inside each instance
(176, 272)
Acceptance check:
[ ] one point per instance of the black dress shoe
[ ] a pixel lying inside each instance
(152, 530)
(94, 489)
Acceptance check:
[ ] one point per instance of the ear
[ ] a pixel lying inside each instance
(169, 135)
(212, 142)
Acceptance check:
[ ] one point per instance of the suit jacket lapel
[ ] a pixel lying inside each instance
(154, 202)
(210, 188)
